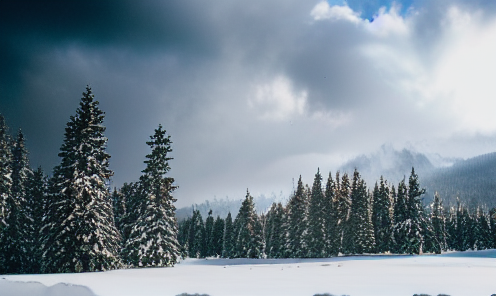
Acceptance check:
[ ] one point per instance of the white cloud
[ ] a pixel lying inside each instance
(277, 100)
(388, 23)
(323, 11)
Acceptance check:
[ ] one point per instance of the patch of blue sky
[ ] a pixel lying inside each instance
(369, 9)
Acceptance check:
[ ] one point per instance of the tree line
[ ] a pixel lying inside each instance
(67, 222)
(341, 217)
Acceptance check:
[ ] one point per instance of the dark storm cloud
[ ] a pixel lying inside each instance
(252, 93)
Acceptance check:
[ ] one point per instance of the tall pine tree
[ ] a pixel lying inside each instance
(153, 237)
(248, 231)
(316, 220)
(79, 234)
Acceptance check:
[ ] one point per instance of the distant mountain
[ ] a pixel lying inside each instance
(393, 165)
(473, 181)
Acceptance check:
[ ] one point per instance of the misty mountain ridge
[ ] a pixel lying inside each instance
(472, 181)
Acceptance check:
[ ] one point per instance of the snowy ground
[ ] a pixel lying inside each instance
(455, 274)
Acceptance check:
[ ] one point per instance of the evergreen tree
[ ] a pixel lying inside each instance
(381, 217)
(451, 232)
(218, 236)
(5, 189)
(80, 234)
(119, 208)
(153, 237)
(275, 231)
(439, 224)
(400, 239)
(183, 236)
(16, 237)
(296, 223)
(131, 196)
(228, 246)
(359, 235)
(209, 227)
(247, 231)
(316, 220)
(37, 203)
(342, 209)
(330, 217)
(197, 245)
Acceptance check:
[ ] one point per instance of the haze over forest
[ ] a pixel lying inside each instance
(254, 93)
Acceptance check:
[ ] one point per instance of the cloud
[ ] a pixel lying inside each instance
(252, 93)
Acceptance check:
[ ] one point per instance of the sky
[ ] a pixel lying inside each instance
(253, 93)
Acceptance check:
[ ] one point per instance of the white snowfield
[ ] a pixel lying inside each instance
(455, 274)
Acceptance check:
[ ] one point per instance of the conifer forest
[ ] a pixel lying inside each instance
(72, 221)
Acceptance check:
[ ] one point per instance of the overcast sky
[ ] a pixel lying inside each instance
(253, 93)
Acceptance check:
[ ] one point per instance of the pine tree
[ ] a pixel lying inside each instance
(247, 231)
(228, 246)
(296, 223)
(5, 189)
(342, 209)
(196, 242)
(80, 234)
(183, 236)
(209, 227)
(359, 235)
(316, 220)
(37, 203)
(153, 237)
(218, 236)
(400, 239)
(275, 231)
(132, 196)
(439, 224)
(330, 217)
(381, 217)
(15, 237)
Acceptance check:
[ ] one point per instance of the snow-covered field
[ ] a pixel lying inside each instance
(455, 274)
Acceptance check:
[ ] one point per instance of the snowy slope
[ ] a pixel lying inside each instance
(455, 274)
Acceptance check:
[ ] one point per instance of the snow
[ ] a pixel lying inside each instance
(469, 273)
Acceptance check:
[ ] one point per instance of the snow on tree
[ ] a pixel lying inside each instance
(399, 235)
(381, 217)
(248, 237)
(196, 241)
(153, 237)
(36, 197)
(209, 228)
(275, 231)
(342, 209)
(17, 237)
(296, 223)
(79, 232)
(5, 178)
(359, 235)
(228, 243)
(315, 237)
(439, 224)
(332, 248)
(218, 236)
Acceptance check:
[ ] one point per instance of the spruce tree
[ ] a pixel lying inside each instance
(296, 223)
(153, 237)
(342, 209)
(16, 239)
(275, 231)
(247, 231)
(439, 224)
(228, 243)
(79, 234)
(5, 189)
(330, 217)
(217, 236)
(400, 232)
(37, 203)
(381, 217)
(316, 220)
(359, 235)
(209, 227)
(197, 245)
